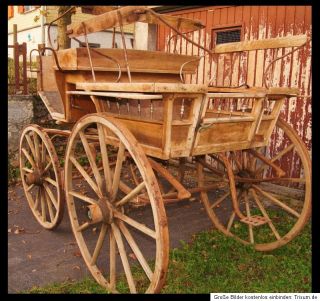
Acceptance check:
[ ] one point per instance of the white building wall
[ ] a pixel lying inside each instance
(33, 37)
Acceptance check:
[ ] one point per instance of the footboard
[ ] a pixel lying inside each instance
(235, 121)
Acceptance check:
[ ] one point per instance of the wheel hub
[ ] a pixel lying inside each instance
(102, 211)
(34, 177)
(244, 173)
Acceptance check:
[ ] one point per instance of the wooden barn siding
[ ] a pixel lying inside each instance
(258, 22)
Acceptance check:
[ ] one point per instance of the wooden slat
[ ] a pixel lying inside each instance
(129, 14)
(290, 41)
(142, 87)
(116, 95)
(139, 60)
(241, 94)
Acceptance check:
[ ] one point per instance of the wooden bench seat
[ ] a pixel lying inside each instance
(75, 59)
(143, 87)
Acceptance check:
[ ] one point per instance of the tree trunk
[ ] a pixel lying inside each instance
(63, 40)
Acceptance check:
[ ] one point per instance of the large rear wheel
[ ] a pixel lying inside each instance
(114, 238)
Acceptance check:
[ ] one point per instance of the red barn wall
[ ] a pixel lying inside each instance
(257, 22)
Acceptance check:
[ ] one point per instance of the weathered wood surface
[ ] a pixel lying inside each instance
(288, 91)
(116, 95)
(143, 87)
(129, 14)
(290, 41)
(139, 60)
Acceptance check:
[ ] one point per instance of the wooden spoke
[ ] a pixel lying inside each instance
(124, 258)
(134, 192)
(265, 160)
(43, 153)
(244, 160)
(99, 243)
(36, 147)
(265, 214)
(133, 172)
(112, 260)
(31, 145)
(51, 214)
(231, 219)
(86, 176)
(277, 157)
(43, 205)
(105, 159)
(86, 225)
(35, 206)
(83, 197)
(49, 180)
(220, 200)
(135, 224)
(136, 250)
(51, 196)
(30, 187)
(29, 158)
(293, 180)
(47, 167)
(282, 153)
(236, 161)
(27, 169)
(117, 171)
(249, 215)
(276, 201)
(92, 160)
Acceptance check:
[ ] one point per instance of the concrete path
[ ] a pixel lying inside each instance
(38, 257)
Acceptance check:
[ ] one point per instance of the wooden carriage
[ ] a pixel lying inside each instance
(138, 134)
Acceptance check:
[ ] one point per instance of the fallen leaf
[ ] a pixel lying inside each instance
(23, 241)
(131, 255)
(77, 254)
(29, 256)
(18, 231)
(34, 270)
(76, 267)
(241, 267)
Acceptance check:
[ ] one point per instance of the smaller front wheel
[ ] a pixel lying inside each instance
(41, 176)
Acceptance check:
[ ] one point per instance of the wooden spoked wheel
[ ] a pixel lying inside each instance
(266, 199)
(126, 249)
(41, 177)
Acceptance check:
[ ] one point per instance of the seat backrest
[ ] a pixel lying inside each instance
(252, 62)
(74, 59)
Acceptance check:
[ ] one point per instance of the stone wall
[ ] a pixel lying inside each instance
(23, 110)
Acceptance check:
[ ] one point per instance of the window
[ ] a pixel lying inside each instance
(91, 45)
(226, 35)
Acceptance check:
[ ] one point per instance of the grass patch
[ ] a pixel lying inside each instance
(213, 263)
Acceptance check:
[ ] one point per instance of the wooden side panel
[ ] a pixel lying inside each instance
(294, 71)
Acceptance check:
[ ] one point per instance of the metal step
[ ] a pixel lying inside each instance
(255, 220)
